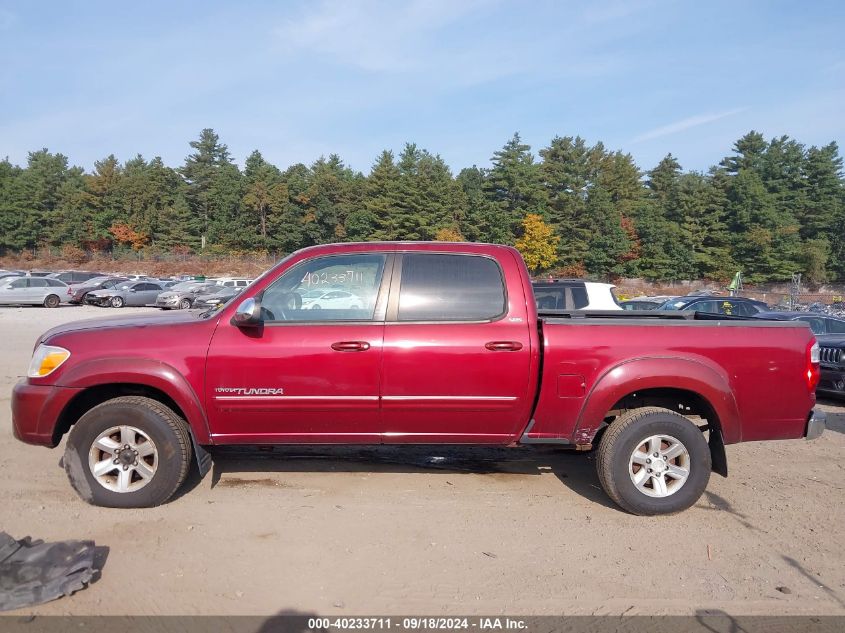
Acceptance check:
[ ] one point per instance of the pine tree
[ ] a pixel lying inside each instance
(514, 182)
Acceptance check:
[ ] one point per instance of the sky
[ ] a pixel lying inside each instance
(301, 79)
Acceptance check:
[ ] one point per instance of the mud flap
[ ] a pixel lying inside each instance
(718, 457)
(34, 572)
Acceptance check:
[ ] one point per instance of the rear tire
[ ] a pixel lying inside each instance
(653, 461)
(51, 301)
(117, 302)
(129, 452)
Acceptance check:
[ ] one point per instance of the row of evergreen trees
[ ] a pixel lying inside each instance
(768, 209)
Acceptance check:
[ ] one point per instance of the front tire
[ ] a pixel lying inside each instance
(185, 304)
(52, 301)
(117, 302)
(128, 452)
(653, 461)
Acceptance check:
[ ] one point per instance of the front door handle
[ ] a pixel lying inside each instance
(504, 346)
(351, 346)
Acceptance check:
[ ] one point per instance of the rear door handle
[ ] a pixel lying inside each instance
(504, 346)
(351, 346)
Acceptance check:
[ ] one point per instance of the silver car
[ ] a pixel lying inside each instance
(216, 297)
(182, 295)
(32, 291)
(130, 293)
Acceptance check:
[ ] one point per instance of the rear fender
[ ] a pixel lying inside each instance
(141, 371)
(710, 383)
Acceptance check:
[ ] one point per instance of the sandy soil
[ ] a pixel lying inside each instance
(437, 531)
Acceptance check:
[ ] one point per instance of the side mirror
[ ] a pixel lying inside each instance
(132, 290)
(248, 313)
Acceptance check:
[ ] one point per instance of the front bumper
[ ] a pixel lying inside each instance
(815, 424)
(832, 381)
(36, 410)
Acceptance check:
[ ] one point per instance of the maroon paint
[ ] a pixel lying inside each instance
(425, 382)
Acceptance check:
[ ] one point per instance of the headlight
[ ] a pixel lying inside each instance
(46, 360)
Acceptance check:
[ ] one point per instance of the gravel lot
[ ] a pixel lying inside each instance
(480, 531)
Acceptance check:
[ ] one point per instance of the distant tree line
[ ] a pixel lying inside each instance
(769, 209)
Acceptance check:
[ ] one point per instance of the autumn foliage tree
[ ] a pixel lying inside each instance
(538, 243)
(125, 234)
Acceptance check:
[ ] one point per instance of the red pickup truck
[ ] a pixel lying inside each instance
(414, 343)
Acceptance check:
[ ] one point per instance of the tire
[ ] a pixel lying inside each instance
(52, 301)
(117, 302)
(316, 306)
(621, 461)
(159, 442)
(185, 304)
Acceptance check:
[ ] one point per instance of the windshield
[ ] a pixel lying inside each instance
(125, 286)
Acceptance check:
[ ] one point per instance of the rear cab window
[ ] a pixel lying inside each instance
(450, 287)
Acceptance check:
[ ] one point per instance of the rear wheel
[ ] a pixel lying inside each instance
(51, 301)
(117, 302)
(653, 461)
(129, 452)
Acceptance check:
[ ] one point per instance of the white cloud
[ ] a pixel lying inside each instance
(685, 124)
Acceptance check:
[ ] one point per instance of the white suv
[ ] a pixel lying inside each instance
(574, 294)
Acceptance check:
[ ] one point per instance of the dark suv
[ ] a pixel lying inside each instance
(71, 277)
(729, 306)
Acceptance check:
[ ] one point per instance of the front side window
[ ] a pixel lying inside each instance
(39, 282)
(20, 283)
(450, 288)
(341, 288)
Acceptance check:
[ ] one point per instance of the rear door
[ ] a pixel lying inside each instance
(457, 357)
(36, 290)
(305, 375)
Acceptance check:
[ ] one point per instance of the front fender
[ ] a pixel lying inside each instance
(631, 376)
(142, 371)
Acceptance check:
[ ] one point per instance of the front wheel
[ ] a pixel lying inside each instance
(128, 452)
(117, 302)
(653, 461)
(52, 301)
(184, 304)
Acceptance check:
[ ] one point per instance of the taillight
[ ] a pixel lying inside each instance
(813, 370)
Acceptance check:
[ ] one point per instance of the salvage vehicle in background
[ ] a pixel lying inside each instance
(729, 306)
(216, 297)
(832, 357)
(181, 296)
(32, 291)
(331, 299)
(71, 277)
(574, 294)
(447, 347)
(128, 293)
(78, 292)
(820, 324)
(644, 303)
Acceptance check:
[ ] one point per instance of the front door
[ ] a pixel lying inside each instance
(308, 374)
(457, 353)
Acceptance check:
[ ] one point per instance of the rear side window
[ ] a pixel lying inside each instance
(450, 288)
(38, 283)
(55, 283)
(835, 327)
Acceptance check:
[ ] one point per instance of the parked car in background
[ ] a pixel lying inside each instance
(10, 274)
(832, 361)
(232, 282)
(729, 306)
(216, 297)
(644, 303)
(39, 273)
(574, 294)
(181, 295)
(820, 324)
(78, 292)
(32, 291)
(71, 277)
(128, 293)
(331, 299)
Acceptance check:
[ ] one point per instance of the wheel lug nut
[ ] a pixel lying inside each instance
(648, 461)
(125, 467)
(657, 454)
(665, 458)
(115, 460)
(649, 470)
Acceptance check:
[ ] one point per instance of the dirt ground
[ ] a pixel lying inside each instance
(434, 531)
